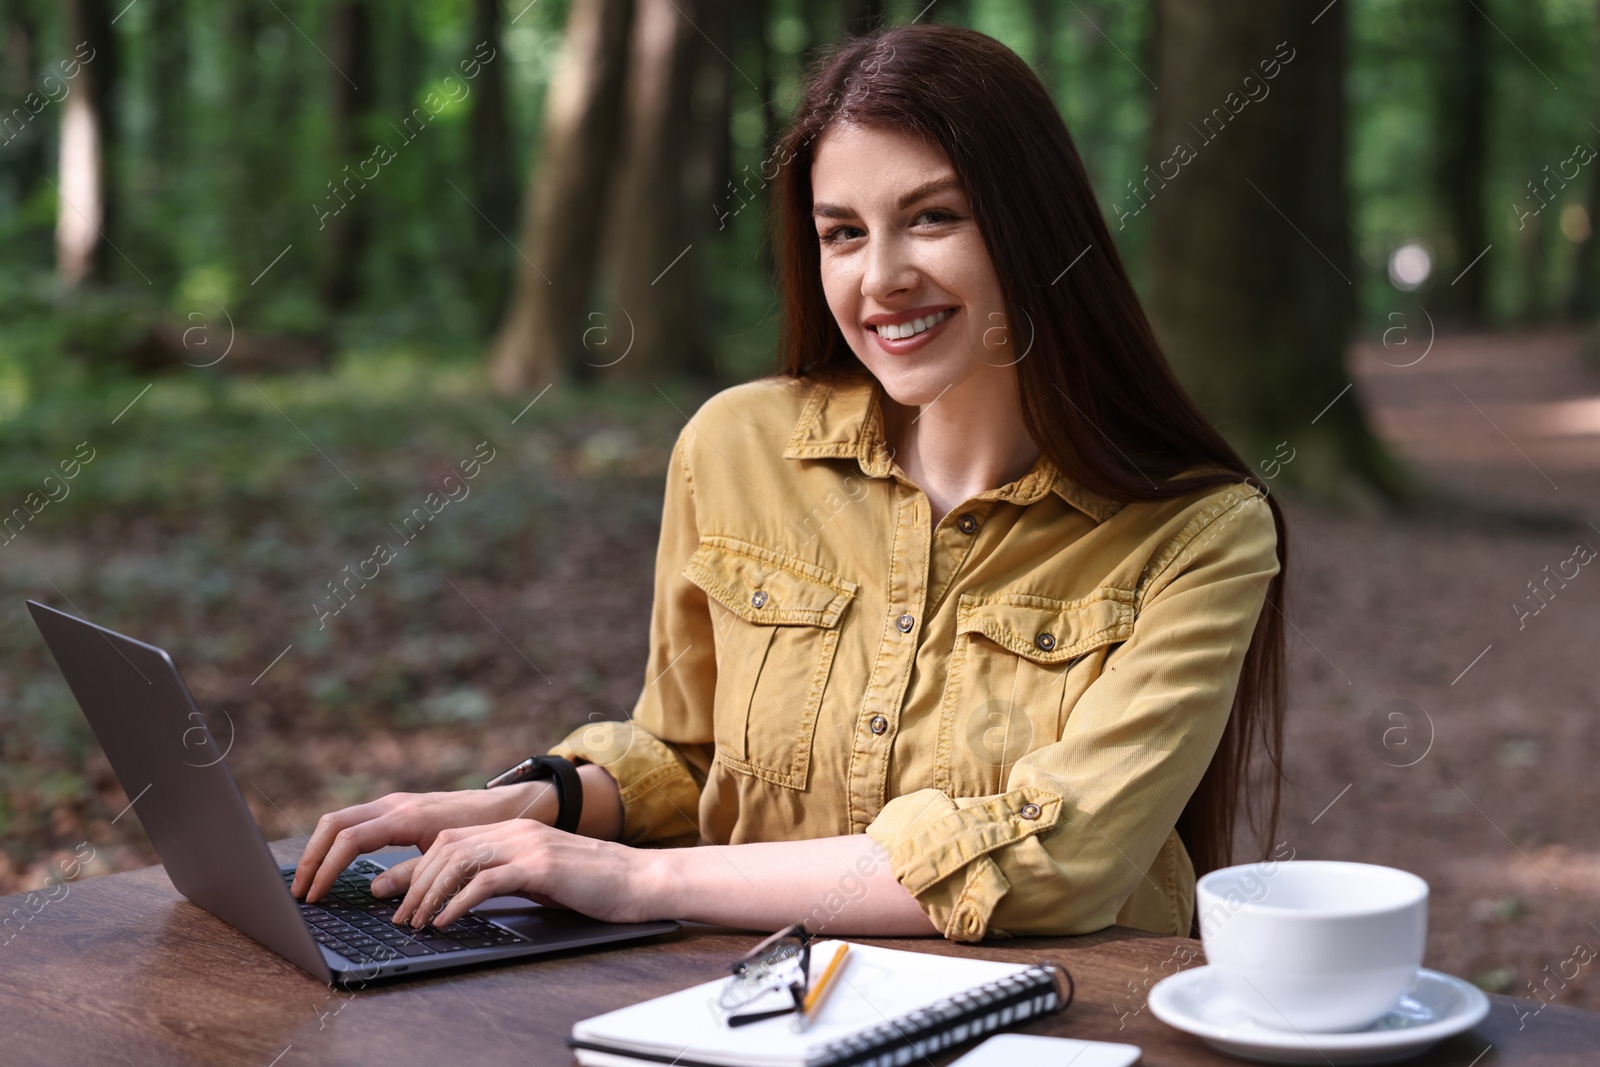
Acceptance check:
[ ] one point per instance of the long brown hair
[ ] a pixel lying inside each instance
(1097, 395)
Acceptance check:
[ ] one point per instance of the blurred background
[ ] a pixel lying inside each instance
(274, 268)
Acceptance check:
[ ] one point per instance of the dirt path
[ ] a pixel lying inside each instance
(1434, 726)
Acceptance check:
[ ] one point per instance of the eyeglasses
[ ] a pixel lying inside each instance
(781, 962)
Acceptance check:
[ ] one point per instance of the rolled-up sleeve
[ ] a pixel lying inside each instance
(1083, 819)
(661, 755)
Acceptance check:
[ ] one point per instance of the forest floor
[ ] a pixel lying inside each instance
(1433, 725)
(522, 612)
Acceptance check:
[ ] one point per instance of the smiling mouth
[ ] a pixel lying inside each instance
(895, 332)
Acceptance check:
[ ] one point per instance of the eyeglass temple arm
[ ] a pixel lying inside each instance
(755, 1017)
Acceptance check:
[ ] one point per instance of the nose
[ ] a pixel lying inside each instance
(890, 266)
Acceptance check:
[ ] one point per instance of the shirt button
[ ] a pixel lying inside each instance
(1045, 641)
(966, 924)
(966, 523)
(878, 724)
(1029, 811)
(759, 598)
(905, 622)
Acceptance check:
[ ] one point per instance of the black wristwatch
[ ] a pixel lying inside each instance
(569, 787)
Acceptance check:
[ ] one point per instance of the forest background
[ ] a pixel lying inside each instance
(273, 268)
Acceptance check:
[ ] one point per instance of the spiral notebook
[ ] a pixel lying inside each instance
(889, 1004)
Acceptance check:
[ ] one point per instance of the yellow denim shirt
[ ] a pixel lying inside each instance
(1016, 704)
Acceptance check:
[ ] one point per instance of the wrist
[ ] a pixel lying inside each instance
(656, 881)
(602, 803)
(534, 800)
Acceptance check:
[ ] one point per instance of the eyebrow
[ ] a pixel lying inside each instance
(921, 192)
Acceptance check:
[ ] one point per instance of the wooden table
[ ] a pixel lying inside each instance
(123, 970)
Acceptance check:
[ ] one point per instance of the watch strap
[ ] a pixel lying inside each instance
(562, 774)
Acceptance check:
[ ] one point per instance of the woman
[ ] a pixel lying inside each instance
(958, 623)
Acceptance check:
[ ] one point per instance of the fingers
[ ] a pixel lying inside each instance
(445, 868)
(396, 879)
(490, 882)
(421, 876)
(458, 860)
(321, 840)
(347, 844)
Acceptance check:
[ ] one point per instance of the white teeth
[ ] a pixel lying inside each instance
(915, 326)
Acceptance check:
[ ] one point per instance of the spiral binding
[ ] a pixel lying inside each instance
(953, 1021)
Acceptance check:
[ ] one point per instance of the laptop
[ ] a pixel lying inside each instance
(190, 805)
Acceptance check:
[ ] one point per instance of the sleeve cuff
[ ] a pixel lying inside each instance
(939, 850)
(660, 798)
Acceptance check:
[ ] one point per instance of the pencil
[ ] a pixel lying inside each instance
(820, 991)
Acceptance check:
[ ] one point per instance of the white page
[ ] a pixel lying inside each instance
(1033, 1050)
(876, 985)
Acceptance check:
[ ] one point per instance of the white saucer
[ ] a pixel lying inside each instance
(1437, 1006)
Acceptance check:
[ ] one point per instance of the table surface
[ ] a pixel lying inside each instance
(121, 969)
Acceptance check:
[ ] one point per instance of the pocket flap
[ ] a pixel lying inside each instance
(1046, 630)
(792, 591)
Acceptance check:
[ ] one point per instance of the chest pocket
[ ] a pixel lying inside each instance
(1019, 664)
(776, 620)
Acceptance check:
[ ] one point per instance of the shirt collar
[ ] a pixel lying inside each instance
(843, 419)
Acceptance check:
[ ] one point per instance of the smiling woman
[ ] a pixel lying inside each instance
(915, 237)
(1016, 686)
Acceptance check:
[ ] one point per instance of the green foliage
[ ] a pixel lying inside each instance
(215, 517)
(1543, 83)
(225, 171)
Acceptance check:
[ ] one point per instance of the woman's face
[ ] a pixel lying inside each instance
(899, 247)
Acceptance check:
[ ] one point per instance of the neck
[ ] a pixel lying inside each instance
(969, 440)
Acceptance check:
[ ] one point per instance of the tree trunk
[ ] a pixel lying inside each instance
(169, 84)
(954, 12)
(248, 160)
(352, 83)
(771, 127)
(1250, 264)
(87, 214)
(1045, 20)
(494, 170)
(761, 14)
(545, 330)
(1533, 248)
(716, 102)
(653, 266)
(1582, 299)
(21, 139)
(1462, 119)
(862, 16)
(820, 29)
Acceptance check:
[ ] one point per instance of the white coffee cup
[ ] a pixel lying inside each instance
(1313, 945)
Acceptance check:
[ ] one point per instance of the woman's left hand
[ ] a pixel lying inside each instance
(520, 857)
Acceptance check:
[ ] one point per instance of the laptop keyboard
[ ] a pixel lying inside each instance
(355, 924)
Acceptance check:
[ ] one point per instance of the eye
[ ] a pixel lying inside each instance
(835, 235)
(935, 215)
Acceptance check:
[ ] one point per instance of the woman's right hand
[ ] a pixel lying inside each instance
(409, 819)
